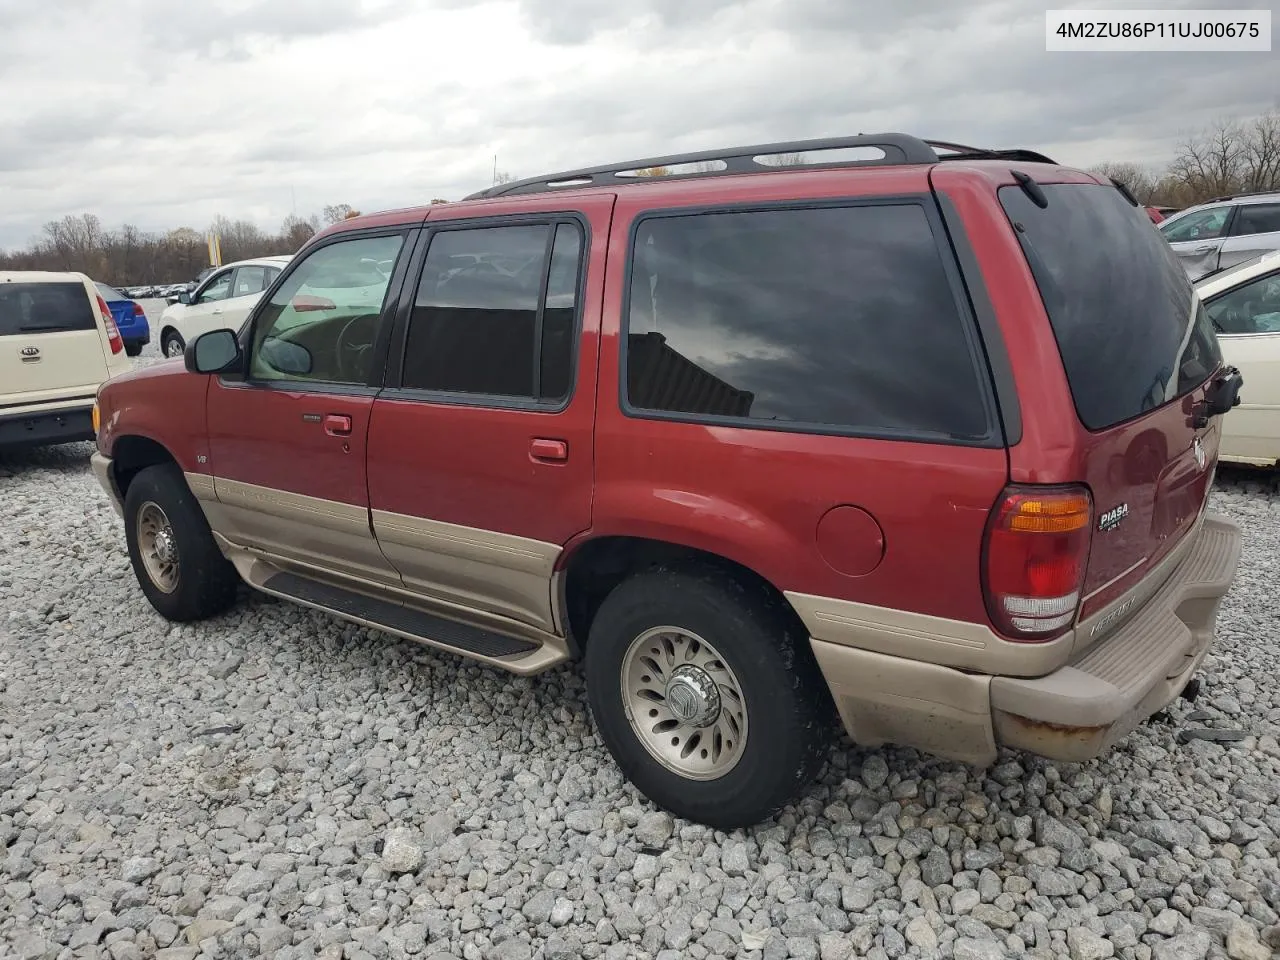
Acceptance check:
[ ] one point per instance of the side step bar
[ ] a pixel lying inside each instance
(397, 618)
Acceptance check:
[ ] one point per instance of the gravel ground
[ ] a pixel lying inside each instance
(278, 783)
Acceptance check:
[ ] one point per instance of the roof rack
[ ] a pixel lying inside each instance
(1241, 196)
(897, 149)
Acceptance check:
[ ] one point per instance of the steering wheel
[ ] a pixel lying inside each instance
(350, 355)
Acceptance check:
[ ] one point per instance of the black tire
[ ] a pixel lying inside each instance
(172, 337)
(132, 349)
(788, 706)
(206, 581)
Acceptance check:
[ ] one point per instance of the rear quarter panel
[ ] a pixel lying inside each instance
(757, 496)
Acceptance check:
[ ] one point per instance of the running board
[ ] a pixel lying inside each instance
(397, 618)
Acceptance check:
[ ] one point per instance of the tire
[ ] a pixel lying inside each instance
(172, 344)
(132, 349)
(199, 582)
(786, 710)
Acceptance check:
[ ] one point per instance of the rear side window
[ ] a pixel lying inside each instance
(1130, 331)
(833, 320)
(44, 308)
(1258, 218)
(495, 312)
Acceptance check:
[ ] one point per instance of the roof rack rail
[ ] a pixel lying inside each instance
(898, 148)
(1242, 195)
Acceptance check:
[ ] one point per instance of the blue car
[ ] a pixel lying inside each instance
(130, 319)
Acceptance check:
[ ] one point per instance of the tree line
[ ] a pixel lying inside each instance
(1230, 156)
(129, 256)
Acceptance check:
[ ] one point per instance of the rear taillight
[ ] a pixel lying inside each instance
(138, 311)
(113, 332)
(1036, 553)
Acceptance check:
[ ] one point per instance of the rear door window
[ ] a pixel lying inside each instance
(1257, 218)
(1131, 333)
(842, 319)
(44, 308)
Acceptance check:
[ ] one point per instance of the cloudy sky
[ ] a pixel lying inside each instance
(165, 113)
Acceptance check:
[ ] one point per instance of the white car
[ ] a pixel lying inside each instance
(58, 344)
(1221, 233)
(1244, 304)
(225, 298)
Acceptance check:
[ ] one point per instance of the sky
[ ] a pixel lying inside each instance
(163, 113)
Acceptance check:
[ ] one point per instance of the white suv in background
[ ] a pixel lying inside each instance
(223, 299)
(58, 344)
(1223, 232)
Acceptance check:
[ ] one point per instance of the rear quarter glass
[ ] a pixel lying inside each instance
(1131, 333)
(33, 308)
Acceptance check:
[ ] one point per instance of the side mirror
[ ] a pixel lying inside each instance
(184, 298)
(212, 352)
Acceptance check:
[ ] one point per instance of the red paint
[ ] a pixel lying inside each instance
(850, 540)
(894, 524)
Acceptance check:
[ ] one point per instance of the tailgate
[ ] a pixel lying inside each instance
(1139, 353)
(49, 341)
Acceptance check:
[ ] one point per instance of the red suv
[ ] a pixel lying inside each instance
(925, 435)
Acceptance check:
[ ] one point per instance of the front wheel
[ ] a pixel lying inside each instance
(707, 695)
(177, 563)
(172, 345)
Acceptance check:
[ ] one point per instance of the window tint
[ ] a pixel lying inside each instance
(1257, 218)
(476, 315)
(309, 330)
(837, 317)
(218, 289)
(1119, 303)
(250, 280)
(44, 308)
(1252, 307)
(1202, 225)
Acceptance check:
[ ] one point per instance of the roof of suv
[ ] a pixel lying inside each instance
(895, 150)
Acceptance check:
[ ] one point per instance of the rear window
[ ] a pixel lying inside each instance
(44, 308)
(834, 320)
(1131, 332)
(110, 294)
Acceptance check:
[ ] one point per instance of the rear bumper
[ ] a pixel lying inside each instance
(1073, 713)
(34, 428)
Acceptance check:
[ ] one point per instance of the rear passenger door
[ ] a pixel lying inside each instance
(1254, 231)
(480, 446)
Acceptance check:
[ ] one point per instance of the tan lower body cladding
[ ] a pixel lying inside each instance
(894, 676)
(489, 580)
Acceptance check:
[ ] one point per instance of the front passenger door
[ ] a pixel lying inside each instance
(287, 438)
(1197, 239)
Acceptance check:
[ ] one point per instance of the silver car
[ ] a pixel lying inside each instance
(1223, 232)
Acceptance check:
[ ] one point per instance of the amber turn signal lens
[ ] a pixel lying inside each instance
(97, 418)
(1057, 515)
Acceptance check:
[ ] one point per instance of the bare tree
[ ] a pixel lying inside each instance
(337, 212)
(1212, 163)
(503, 176)
(295, 231)
(1262, 153)
(1137, 178)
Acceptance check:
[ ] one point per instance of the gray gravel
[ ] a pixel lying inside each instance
(277, 783)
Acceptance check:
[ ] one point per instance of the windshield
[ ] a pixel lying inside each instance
(1132, 333)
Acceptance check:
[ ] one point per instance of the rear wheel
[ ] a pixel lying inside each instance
(179, 567)
(172, 344)
(132, 349)
(706, 695)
